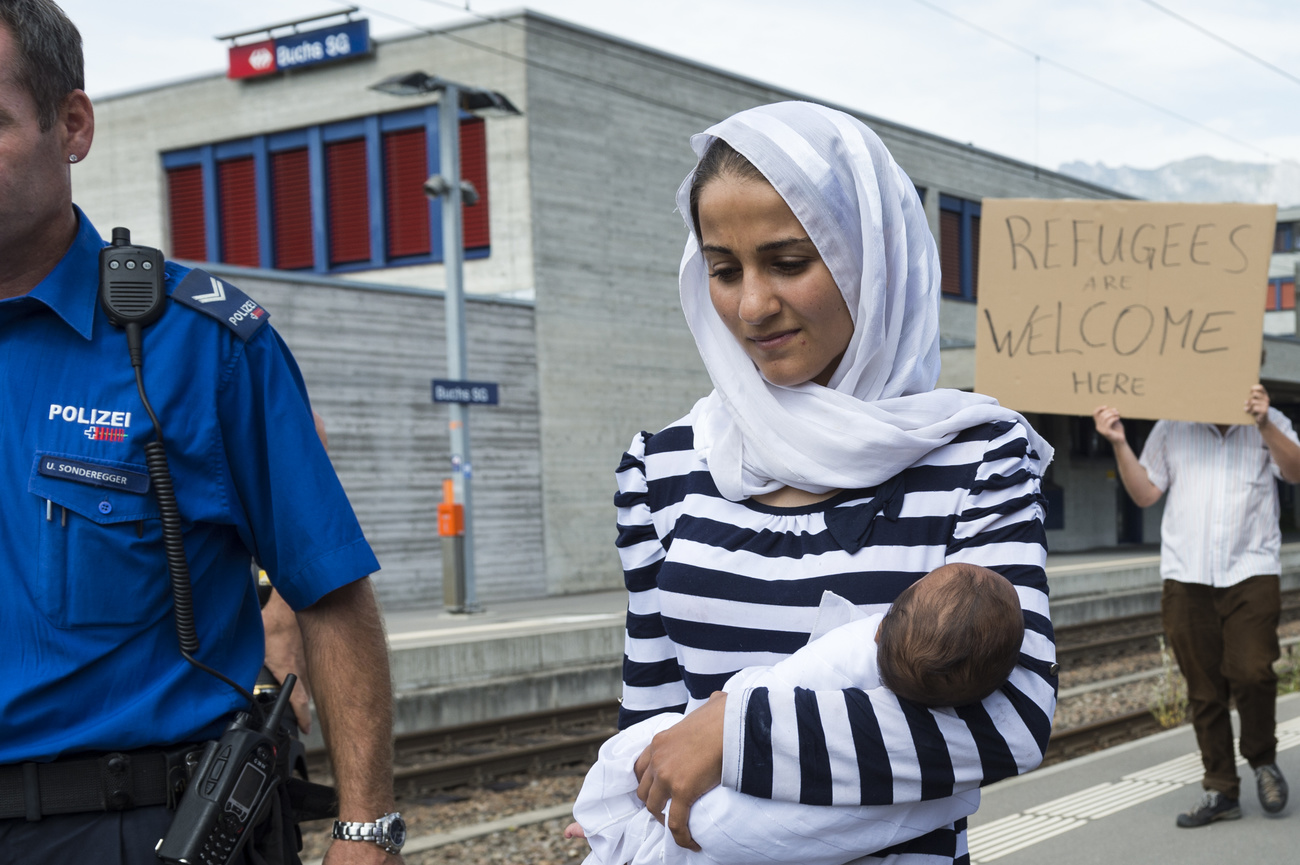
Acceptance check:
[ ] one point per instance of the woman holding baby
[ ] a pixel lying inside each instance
(823, 461)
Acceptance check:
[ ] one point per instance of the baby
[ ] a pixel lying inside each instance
(951, 638)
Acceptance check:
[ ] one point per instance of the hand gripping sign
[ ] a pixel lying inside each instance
(1154, 308)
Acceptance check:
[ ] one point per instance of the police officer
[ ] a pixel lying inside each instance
(93, 689)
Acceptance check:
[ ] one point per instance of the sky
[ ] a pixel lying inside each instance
(1043, 81)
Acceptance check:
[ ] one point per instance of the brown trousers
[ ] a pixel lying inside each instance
(1225, 641)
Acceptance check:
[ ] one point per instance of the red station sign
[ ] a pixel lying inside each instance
(255, 58)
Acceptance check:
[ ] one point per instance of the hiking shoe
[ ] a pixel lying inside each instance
(1271, 787)
(1212, 806)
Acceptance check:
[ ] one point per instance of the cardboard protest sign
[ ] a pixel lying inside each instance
(1154, 308)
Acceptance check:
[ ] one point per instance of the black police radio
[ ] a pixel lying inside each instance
(231, 789)
(229, 792)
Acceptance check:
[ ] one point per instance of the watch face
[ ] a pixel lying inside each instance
(397, 832)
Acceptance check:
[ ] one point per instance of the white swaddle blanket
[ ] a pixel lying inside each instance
(733, 828)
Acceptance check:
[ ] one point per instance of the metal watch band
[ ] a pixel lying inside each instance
(389, 832)
(356, 831)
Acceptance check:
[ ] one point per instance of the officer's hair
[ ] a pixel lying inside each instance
(50, 64)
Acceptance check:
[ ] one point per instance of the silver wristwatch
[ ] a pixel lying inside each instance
(389, 832)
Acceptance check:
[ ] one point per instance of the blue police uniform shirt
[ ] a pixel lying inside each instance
(90, 658)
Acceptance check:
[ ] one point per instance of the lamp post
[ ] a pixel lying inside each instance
(452, 189)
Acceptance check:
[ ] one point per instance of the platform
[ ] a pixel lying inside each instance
(527, 656)
(1119, 805)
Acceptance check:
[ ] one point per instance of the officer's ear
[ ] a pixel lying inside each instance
(76, 125)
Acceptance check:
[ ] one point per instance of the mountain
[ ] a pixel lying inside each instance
(1200, 178)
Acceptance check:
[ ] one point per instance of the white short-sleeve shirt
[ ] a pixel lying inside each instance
(1221, 519)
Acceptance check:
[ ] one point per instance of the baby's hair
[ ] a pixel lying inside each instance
(720, 160)
(954, 643)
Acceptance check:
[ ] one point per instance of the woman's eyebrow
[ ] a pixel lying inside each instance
(762, 247)
(780, 244)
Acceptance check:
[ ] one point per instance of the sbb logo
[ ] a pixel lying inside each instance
(261, 59)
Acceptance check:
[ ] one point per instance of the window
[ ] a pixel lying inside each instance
(291, 210)
(1284, 240)
(1281, 294)
(347, 201)
(407, 210)
(473, 167)
(959, 247)
(337, 197)
(185, 203)
(237, 194)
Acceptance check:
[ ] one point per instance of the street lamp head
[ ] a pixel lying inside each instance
(471, 98)
(408, 84)
(490, 101)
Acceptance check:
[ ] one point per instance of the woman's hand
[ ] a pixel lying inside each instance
(682, 764)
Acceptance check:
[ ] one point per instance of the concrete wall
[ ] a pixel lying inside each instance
(123, 181)
(368, 354)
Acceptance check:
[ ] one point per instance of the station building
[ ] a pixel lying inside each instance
(303, 185)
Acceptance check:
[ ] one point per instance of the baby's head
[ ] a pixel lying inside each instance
(952, 637)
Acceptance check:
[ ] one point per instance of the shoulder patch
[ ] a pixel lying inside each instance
(219, 299)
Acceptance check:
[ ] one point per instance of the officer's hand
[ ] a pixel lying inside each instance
(1257, 405)
(359, 853)
(1109, 425)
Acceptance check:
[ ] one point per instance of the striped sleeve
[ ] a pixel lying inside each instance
(652, 678)
(867, 747)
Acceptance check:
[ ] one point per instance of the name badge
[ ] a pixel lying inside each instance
(94, 474)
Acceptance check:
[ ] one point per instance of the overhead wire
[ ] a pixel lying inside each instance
(721, 85)
(924, 141)
(1225, 42)
(537, 64)
(1090, 78)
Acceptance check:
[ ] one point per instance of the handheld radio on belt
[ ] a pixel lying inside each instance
(232, 787)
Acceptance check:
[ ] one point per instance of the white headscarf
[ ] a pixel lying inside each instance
(880, 412)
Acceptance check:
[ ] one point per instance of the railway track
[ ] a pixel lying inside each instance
(477, 753)
(1084, 739)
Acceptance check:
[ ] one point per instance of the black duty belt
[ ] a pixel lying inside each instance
(110, 782)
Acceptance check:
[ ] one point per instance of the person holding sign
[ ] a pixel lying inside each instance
(824, 460)
(1220, 562)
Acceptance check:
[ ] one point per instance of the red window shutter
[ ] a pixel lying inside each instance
(406, 207)
(237, 195)
(473, 167)
(1288, 294)
(348, 198)
(185, 203)
(974, 257)
(291, 203)
(950, 251)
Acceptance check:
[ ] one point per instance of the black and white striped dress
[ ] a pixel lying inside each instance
(715, 586)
